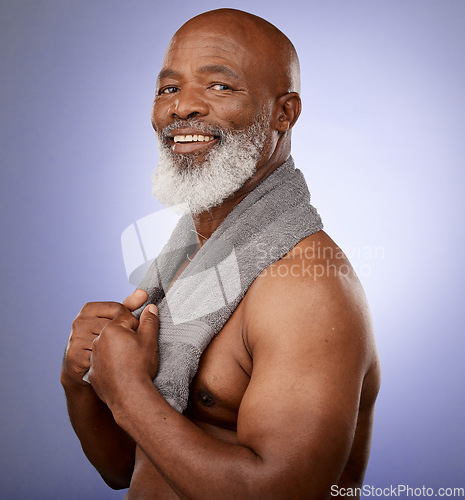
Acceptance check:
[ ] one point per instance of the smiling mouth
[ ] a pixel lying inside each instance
(186, 139)
(192, 143)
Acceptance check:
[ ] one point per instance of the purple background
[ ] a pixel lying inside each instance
(381, 142)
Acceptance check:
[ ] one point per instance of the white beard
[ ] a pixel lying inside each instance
(179, 180)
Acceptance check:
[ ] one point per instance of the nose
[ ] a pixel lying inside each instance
(188, 103)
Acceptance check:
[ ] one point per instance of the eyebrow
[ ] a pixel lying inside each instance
(219, 68)
(210, 68)
(166, 73)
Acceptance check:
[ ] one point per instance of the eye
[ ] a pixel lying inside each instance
(169, 90)
(220, 86)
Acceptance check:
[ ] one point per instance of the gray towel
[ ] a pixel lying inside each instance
(260, 230)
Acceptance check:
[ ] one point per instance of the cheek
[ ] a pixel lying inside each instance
(235, 115)
(160, 115)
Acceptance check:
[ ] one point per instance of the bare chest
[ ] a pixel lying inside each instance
(215, 396)
(222, 378)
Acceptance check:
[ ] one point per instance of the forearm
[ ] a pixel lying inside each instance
(106, 445)
(195, 464)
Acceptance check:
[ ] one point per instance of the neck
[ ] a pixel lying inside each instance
(207, 222)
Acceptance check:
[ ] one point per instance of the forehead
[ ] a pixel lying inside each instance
(194, 48)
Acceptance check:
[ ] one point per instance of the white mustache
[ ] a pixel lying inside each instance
(192, 123)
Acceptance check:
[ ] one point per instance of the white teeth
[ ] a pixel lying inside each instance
(193, 138)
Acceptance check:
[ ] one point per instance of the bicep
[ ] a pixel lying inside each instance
(300, 410)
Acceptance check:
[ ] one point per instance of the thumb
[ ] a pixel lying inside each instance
(136, 299)
(148, 322)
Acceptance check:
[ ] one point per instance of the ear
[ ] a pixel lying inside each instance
(287, 110)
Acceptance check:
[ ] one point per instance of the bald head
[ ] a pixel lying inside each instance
(268, 47)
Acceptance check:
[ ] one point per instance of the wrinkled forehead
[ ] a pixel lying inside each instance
(233, 46)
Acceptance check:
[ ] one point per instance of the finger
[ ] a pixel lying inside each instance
(136, 299)
(125, 320)
(107, 310)
(90, 325)
(98, 325)
(78, 365)
(148, 322)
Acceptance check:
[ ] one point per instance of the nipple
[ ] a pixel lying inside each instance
(205, 398)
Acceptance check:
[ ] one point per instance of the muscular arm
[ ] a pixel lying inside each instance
(108, 447)
(310, 346)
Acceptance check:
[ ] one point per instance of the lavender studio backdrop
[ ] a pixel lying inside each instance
(380, 140)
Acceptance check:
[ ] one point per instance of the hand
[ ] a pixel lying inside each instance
(90, 321)
(122, 357)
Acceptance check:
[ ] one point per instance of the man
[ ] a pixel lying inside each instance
(282, 403)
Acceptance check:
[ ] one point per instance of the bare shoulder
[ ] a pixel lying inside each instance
(315, 297)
